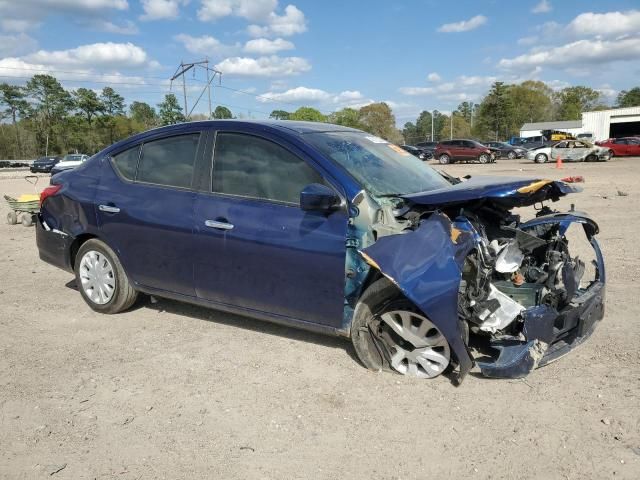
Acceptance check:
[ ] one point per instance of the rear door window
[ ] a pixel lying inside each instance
(169, 161)
(126, 162)
(254, 167)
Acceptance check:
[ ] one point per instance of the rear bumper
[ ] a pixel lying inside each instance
(54, 246)
(41, 169)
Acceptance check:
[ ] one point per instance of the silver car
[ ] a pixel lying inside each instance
(569, 151)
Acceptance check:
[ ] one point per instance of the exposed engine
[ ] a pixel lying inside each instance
(511, 270)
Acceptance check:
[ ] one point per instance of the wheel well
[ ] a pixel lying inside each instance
(75, 246)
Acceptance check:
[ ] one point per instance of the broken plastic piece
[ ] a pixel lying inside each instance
(510, 258)
(503, 316)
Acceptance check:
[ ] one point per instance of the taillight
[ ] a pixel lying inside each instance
(48, 192)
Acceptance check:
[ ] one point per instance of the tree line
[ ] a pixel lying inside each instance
(42, 117)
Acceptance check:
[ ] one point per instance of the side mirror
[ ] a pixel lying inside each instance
(316, 197)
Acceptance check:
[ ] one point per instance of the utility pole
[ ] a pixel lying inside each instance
(184, 68)
(451, 131)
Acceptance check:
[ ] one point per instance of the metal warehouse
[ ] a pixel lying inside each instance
(602, 124)
(617, 122)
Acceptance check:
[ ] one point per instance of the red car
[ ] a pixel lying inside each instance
(622, 146)
(449, 151)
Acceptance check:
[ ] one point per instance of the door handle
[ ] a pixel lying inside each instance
(221, 225)
(108, 209)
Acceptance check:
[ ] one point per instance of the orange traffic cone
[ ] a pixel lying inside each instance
(559, 162)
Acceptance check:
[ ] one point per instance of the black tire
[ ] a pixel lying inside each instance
(591, 158)
(484, 158)
(444, 159)
(12, 218)
(381, 296)
(541, 158)
(124, 295)
(611, 154)
(27, 220)
(512, 155)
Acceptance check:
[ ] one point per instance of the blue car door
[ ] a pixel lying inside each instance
(255, 249)
(144, 206)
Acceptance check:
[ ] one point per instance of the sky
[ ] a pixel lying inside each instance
(415, 55)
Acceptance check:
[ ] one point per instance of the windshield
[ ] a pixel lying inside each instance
(379, 166)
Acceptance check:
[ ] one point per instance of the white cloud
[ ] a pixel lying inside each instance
(272, 66)
(162, 9)
(292, 22)
(317, 97)
(206, 45)
(532, 40)
(434, 77)
(462, 85)
(264, 46)
(16, 44)
(464, 25)
(21, 15)
(577, 54)
(99, 55)
(253, 10)
(543, 7)
(128, 28)
(605, 24)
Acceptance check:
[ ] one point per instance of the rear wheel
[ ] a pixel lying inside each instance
(591, 158)
(484, 158)
(12, 218)
(444, 159)
(541, 158)
(101, 278)
(389, 333)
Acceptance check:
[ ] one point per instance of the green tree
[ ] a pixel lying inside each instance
(280, 115)
(629, 98)
(495, 111)
(143, 114)
(410, 133)
(88, 103)
(531, 101)
(461, 127)
(423, 127)
(222, 112)
(49, 108)
(170, 110)
(378, 119)
(572, 101)
(112, 102)
(309, 114)
(348, 117)
(13, 99)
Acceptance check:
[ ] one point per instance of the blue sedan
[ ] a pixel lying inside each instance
(333, 230)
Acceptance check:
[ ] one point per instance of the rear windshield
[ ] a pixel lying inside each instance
(379, 166)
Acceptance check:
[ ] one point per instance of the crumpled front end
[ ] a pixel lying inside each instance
(507, 295)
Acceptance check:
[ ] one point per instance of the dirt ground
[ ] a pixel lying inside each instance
(174, 391)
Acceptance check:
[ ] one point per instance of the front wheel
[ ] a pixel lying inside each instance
(484, 158)
(511, 155)
(541, 158)
(389, 333)
(102, 280)
(591, 158)
(12, 218)
(444, 159)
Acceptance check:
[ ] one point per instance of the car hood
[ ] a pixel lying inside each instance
(507, 191)
(69, 163)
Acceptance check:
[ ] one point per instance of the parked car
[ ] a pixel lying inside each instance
(570, 151)
(588, 136)
(506, 150)
(330, 229)
(44, 164)
(450, 151)
(416, 152)
(428, 146)
(536, 142)
(69, 162)
(619, 147)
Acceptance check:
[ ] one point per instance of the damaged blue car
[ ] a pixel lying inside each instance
(333, 230)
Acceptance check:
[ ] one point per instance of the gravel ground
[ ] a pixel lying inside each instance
(175, 391)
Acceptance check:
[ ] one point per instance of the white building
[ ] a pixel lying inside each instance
(617, 122)
(603, 124)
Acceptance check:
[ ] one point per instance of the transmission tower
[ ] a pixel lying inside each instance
(182, 69)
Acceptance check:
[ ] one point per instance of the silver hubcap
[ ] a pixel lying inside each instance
(424, 353)
(97, 277)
